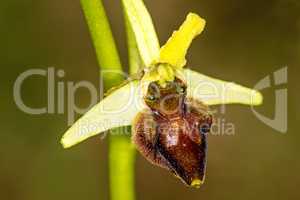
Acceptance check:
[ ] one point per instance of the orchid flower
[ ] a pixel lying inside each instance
(162, 66)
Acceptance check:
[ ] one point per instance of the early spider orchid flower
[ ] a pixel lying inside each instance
(168, 106)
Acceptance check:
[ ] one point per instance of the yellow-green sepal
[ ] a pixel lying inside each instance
(143, 29)
(116, 110)
(213, 91)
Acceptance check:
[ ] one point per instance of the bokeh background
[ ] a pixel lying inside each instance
(243, 42)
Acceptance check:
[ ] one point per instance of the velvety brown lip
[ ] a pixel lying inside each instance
(176, 141)
(187, 155)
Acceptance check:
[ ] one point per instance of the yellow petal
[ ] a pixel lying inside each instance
(174, 51)
(142, 26)
(212, 91)
(116, 110)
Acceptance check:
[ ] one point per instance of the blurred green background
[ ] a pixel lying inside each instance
(243, 41)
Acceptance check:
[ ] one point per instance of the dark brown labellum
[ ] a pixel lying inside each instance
(172, 133)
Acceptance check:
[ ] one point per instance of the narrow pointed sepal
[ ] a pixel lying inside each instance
(116, 110)
(213, 91)
(143, 29)
(174, 51)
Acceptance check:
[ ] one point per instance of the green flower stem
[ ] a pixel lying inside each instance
(124, 167)
(103, 41)
(121, 166)
(121, 152)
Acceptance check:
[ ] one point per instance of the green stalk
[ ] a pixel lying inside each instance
(103, 41)
(121, 166)
(121, 152)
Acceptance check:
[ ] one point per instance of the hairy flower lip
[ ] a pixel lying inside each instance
(177, 138)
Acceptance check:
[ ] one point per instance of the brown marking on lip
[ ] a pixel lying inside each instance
(172, 133)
